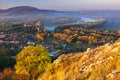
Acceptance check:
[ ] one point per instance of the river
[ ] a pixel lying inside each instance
(80, 19)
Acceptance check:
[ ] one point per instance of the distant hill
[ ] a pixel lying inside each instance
(1, 10)
(23, 13)
(101, 63)
(21, 10)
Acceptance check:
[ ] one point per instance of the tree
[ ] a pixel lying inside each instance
(2, 52)
(118, 31)
(5, 59)
(40, 37)
(32, 61)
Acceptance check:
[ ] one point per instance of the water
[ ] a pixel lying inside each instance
(86, 19)
(50, 28)
(80, 19)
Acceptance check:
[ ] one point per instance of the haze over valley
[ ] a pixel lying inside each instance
(59, 39)
(54, 18)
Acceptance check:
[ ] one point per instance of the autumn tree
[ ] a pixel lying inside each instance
(8, 74)
(40, 37)
(32, 61)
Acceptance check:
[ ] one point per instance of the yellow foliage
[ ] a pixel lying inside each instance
(32, 61)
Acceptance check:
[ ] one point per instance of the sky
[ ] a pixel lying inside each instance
(63, 4)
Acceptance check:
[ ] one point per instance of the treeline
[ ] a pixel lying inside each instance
(90, 32)
(78, 37)
(98, 24)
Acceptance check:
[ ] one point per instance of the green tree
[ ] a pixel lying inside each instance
(32, 61)
(2, 52)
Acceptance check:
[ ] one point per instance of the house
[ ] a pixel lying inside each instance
(2, 36)
(28, 25)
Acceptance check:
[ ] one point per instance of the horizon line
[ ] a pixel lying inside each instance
(97, 9)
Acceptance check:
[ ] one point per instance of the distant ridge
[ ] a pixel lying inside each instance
(20, 10)
(27, 8)
(1, 10)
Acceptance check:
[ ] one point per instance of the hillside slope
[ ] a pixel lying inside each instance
(101, 63)
(22, 10)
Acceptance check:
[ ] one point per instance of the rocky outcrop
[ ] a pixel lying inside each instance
(101, 63)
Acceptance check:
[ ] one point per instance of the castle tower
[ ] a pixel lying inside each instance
(39, 26)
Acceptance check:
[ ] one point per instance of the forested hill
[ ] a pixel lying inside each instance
(101, 63)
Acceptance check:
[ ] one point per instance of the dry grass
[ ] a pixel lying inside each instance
(101, 63)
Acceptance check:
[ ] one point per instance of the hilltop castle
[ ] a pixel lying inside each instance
(38, 25)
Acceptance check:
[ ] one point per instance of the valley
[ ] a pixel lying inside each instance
(40, 44)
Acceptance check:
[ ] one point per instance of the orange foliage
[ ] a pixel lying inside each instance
(9, 74)
(39, 37)
(63, 37)
(67, 31)
(90, 39)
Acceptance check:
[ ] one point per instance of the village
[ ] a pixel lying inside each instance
(20, 38)
(23, 36)
(65, 39)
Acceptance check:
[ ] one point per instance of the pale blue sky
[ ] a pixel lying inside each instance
(63, 4)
